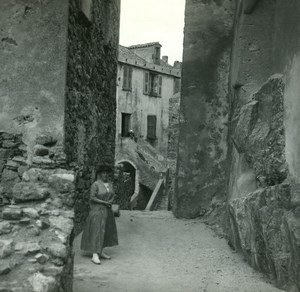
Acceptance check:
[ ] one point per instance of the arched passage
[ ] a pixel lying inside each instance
(128, 183)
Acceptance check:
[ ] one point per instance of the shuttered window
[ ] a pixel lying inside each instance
(146, 82)
(176, 85)
(151, 128)
(127, 78)
(159, 85)
(125, 127)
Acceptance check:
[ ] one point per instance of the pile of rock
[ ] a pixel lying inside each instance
(36, 229)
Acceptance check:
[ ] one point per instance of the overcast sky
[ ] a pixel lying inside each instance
(144, 21)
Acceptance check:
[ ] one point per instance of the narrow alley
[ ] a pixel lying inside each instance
(159, 253)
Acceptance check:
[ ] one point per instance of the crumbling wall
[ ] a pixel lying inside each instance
(90, 109)
(36, 230)
(204, 106)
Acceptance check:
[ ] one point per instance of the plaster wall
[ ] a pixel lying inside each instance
(33, 48)
(139, 105)
(204, 113)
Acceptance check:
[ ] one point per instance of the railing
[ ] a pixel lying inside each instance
(156, 195)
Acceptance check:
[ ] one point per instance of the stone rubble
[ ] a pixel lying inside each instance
(36, 217)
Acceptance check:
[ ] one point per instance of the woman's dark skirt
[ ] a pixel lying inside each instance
(100, 229)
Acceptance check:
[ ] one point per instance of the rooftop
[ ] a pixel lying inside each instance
(129, 57)
(144, 45)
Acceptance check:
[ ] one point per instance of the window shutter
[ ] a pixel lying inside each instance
(146, 83)
(125, 76)
(151, 127)
(159, 85)
(129, 78)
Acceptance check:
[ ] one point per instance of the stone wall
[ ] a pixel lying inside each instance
(174, 107)
(90, 109)
(36, 217)
(204, 105)
(260, 189)
(263, 188)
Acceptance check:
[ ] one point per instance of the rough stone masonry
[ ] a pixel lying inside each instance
(58, 66)
(238, 146)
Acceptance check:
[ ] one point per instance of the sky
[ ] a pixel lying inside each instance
(145, 21)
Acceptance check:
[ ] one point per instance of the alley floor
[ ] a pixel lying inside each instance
(159, 253)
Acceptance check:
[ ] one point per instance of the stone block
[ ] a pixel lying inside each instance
(58, 250)
(5, 268)
(62, 183)
(31, 248)
(5, 153)
(12, 165)
(41, 283)
(40, 150)
(5, 227)
(30, 212)
(41, 258)
(46, 140)
(63, 224)
(8, 180)
(26, 191)
(12, 213)
(6, 248)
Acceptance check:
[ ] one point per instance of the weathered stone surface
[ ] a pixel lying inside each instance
(31, 248)
(64, 224)
(6, 248)
(12, 165)
(40, 150)
(83, 146)
(24, 221)
(12, 213)
(46, 140)
(5, 153)
(58, 250)
(19, 246)
(62, 183)
(204, 112)
(43, 162)
(24, 191)
(8, 180)
(5, 268)
(41, 258)
(41, 283)
(259, 134)
(30, 212)
(43, 224)
(5, 227)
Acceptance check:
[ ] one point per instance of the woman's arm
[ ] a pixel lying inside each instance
(93, 196)
(113, 196)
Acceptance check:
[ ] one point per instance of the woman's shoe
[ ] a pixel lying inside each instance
(95, 259)
(105, 256)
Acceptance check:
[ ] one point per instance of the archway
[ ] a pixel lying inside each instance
(127, 184)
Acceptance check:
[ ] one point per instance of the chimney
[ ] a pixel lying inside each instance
(165, 59)
(177, 65)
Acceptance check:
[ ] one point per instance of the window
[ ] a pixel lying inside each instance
(127, 78)
(125, 127)
(156, 59)
(176, 85)
(151, 129)
(152, 84)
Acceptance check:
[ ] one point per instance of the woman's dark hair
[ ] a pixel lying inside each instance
(102, 168)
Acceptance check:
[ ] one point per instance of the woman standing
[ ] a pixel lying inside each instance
(100, 228)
